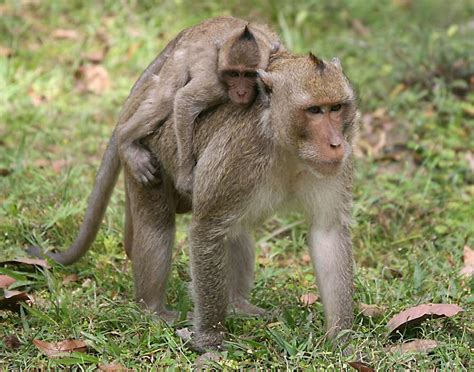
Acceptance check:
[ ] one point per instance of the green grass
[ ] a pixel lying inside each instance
(414, 209)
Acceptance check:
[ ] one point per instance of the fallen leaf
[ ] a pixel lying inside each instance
(359, 27)
(37, 99)
(61, 348)
(361, 367)
(415, 346)
(92, 78)
(70, 278)
(418, 314)
(26, 261)
(58, 165)
(6, 281)
(12, 300)
(306, 258)
(114, 367)
(468, 269)
(4, 172)
(470, 160)
(12, 342)
(62, 33)
(5, 52)
(372, 311)
(96, 56)
(309, 299)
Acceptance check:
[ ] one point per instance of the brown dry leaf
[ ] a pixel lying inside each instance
(37, 99)
(306, 258)
(309, 299)
(470, 160)
(62, 33)
(468, 269)
(70, 278)
(5, 52)
(92, 78)
(27, 262)
(114, 367)
(61, 348)
(58, 165)
(372, 311)
(360, 28)
(418, 314)
(361, 367)
(6, 281)
(96, 56)
(402, 3)
(415, 346)
(5, 172)
(12, 342)
(12, 300)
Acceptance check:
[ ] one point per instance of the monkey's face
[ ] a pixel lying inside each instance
(312, 112)
(241, 86)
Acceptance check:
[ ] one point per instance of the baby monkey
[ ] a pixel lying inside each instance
(213, 62)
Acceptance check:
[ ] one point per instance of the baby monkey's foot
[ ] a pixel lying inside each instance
(142, 165)
(184, 183)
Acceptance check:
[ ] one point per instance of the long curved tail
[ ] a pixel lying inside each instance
(99, 198)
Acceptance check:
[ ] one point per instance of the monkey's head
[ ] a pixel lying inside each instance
(313, 109)
(239, 58)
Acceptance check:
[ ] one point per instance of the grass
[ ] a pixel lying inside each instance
(412, 64)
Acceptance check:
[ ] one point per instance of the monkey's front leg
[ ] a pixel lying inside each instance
(208, 269)
(331, 253)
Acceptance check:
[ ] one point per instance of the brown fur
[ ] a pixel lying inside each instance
(192, 81)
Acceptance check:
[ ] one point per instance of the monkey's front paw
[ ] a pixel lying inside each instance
(184, 183)
(143, 167)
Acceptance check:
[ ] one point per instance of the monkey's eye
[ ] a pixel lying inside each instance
(314, 109)
(336, 107)
(232, 74)
(250, 74)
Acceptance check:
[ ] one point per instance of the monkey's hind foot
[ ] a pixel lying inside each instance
(143, 167)
(203, 342)
(244, 307)
(184, 184)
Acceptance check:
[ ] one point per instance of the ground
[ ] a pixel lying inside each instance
(66, 68)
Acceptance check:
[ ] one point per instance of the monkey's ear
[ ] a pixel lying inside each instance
(275, 47)
(247, 34)
(337, 63)
(317, 61)
(265, 84)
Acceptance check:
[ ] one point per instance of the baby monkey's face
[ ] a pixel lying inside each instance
(241, 85)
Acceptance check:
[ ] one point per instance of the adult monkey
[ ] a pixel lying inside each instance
(111, 165)
(292, 147)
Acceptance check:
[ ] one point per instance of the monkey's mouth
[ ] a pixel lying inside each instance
(326, 167)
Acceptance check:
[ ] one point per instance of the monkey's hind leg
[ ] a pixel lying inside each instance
(153, 220)
(241, 261)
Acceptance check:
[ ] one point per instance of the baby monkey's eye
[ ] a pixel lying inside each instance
(232, 74)
(314, 109)
(336, 107)
(250, 74)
